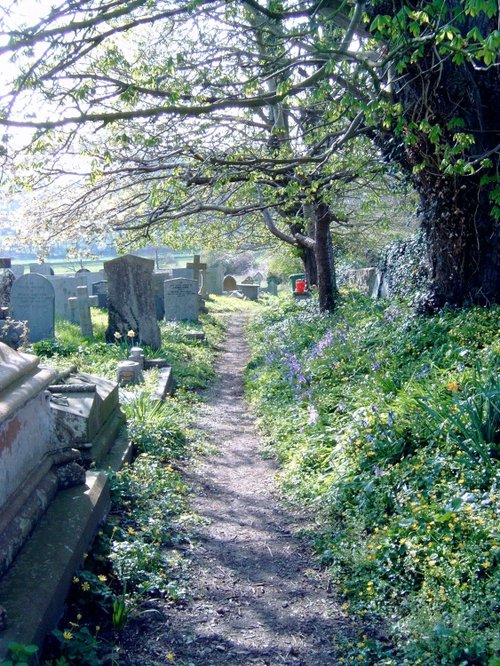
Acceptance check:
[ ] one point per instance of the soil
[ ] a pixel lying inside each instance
(256, 594)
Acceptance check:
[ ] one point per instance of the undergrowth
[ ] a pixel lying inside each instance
(388, 425)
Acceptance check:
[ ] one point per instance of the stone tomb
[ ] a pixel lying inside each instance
(32, 300)
(50, 508)
(28, 449)
(181, 300)
(249, 290)
(87, 414)
(131, 304)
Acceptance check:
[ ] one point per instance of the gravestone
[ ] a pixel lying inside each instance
(181, 299)
(5, 262)
(364, 279)
(272, 286)
(182, 273)
(100, 289)
(196, 266)
(83, 302)
(131, 304)
(229, 283)
(258, 278)
(17, 270)
(213, 279)
(159, 278)
(32, 300)
(248, 280)
(42, 269)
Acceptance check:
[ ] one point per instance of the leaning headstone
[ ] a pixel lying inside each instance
(100, 289)
(131, 305)
(42, 269)
(82, 297)
(181, 299)
(229, 283)
(32, 300)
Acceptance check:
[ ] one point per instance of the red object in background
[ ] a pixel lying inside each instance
(300, 286)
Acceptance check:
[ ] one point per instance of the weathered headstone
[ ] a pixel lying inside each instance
(181, 299)
(229, 283)
(100, 289)
(272, 286)
(5, 262)
(248, 280)
(82, 297)
(258, 278)
(42, 269)
(213, 279)
(32, 300)
(131, 305)
(159, 278)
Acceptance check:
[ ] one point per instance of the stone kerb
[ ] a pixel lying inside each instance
(32, 300)
(131, 303)
(181, 299)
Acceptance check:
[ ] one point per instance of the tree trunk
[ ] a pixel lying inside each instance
(462, 242)
(323, 252)
(461, 99)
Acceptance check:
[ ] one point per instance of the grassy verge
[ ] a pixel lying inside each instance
(387, 424)
(139, 554)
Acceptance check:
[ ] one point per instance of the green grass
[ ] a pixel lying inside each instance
(388, 426)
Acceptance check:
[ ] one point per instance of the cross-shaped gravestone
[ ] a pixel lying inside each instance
(196, 267)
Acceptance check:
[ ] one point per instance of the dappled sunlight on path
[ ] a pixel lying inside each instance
(256, 596)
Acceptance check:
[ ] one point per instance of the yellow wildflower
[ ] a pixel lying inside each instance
(67, 635)
(131, 334)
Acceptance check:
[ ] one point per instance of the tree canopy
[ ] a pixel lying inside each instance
(204, 109)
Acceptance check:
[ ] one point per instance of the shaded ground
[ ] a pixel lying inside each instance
(256, 597)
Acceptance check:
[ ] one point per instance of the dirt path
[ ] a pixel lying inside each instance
(256, 596)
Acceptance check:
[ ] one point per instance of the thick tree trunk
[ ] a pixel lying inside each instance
(462, 235)
(462, 241)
